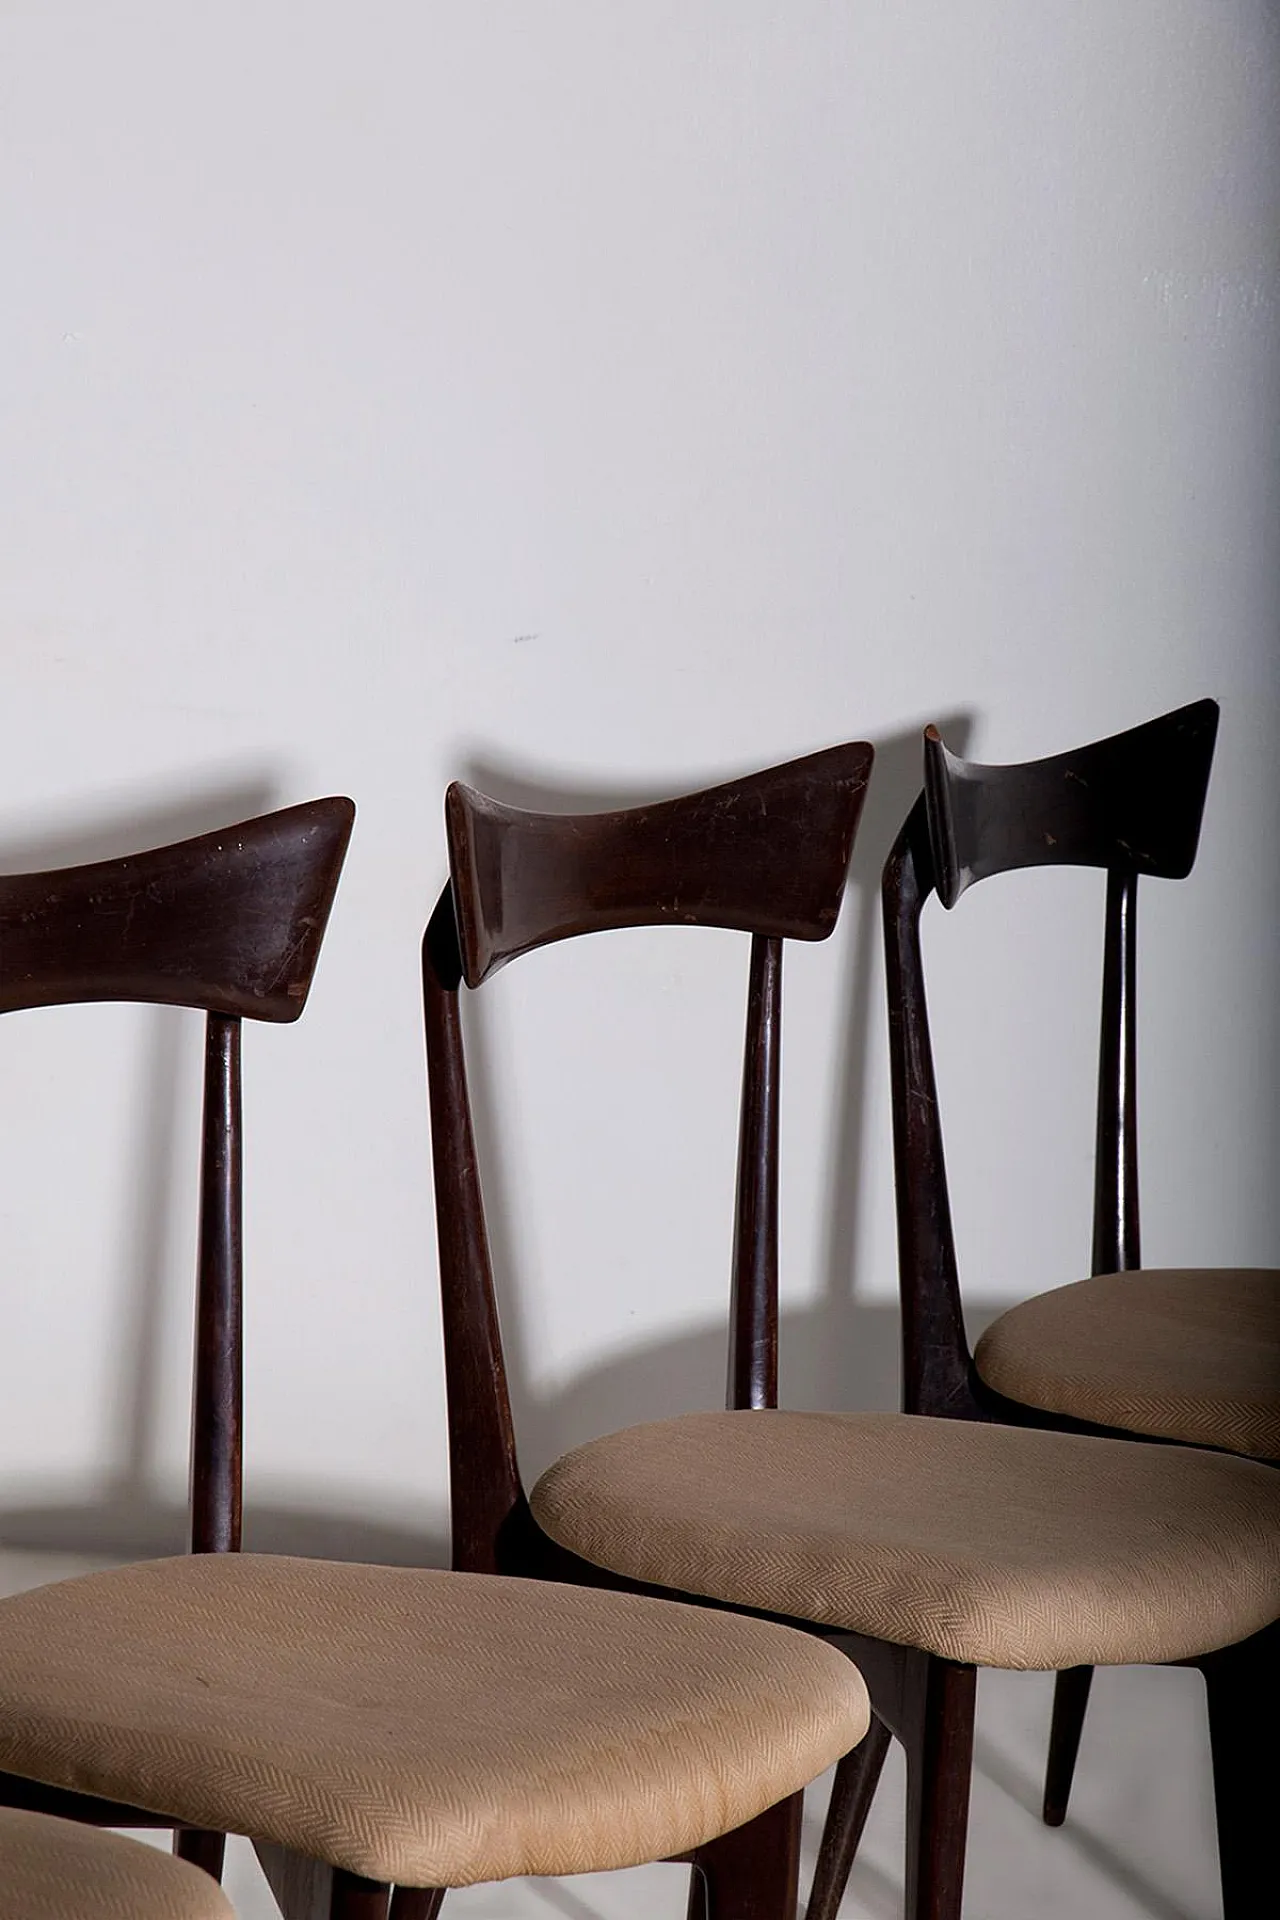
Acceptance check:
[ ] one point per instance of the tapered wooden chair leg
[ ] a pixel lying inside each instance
(354, 1898)
(1070, 1699)
(202, 1849)
(416, 1903)
(938, 1737)
(857, 1777)
(753, 1873)
(697, 1906)
(1243, 1685)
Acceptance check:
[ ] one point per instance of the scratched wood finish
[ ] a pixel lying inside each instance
(1129, 804)
(765, 855)
(230, 924)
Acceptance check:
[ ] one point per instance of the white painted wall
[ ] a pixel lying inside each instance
(590, 400)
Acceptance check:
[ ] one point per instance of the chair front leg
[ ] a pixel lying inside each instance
(416, 1903)
(937, 1733)
(753, 1873)
(1070, 1699)
(857, 1777)
(1243, 1684)
(351, 1897)
(203, 1849)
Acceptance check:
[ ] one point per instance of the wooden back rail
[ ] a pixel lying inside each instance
(229, 923)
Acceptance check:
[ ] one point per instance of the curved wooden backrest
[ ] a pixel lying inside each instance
(230, 922)
(1132, 803)
(767, 854)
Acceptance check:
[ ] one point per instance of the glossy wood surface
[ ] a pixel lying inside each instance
(1132, 803)
(1116, 1231)
(217, 1414)
(767, 854)
(753, 1318)
(230, 922)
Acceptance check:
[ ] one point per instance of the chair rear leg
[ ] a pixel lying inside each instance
(353, 1898)
(857, 1777)
(697, 1906)
(1243, 1684)
(201, 1848)
(416, 1903)
(937, 1734)
(753, 1873)
(1070, 1699)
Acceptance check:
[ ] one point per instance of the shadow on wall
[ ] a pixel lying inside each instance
(129, 1519)
(839, 1351)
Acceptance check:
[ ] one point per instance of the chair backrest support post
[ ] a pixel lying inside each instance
(753, 1312)
(1116, 1243)
(218, 1398)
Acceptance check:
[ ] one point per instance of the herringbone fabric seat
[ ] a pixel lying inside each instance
(57, 1870)
(1000, 1546)
(430, 1729)
(1180, 1354)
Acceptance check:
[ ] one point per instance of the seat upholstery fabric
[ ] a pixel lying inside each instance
(1003, 1546)
(1177, 1353)
(430, 1729)
(57, 1870)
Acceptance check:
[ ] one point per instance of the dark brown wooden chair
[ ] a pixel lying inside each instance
(921, 1548)
(57, 1870)
(1189, 1355)
(363, 1725)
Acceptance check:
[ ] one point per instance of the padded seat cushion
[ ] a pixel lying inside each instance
(1178, 1353)
(999, 1545)
(431, 1729)
(56, 1870)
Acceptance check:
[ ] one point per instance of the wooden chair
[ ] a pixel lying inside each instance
(922, 1548)
(56, 1870)
(1190, 1355)
(363, 1725)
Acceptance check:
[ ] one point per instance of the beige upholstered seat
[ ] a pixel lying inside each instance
(56, 1870)
(1181, 1354)
(425, 1728)
(1003, 1546)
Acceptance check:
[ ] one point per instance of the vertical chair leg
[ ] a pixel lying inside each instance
(937, 1734)
(416, 1903)
(354, 1898)
(857, 1777)
(1243, 1685)
(697, 1906)
(202, 1849)
(1070, 1698)
(753, 1873)
(307, 1889)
